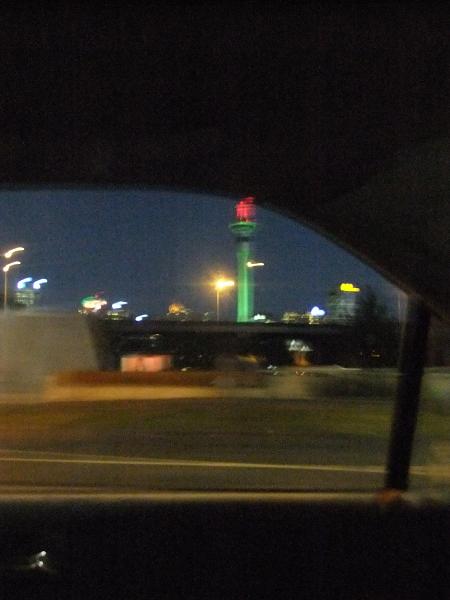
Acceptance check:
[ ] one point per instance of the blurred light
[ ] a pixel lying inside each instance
(37, 284)
(317, 312)
(118, 305)
(23, 283)
(13, 250)
(349, 287)
(145, 362)
(259, 317)
(87, 301)
(221, 284)
(93, 303)
(251, 264)
(139, 318)
(176, 308)
(298, 346)
(11, 264)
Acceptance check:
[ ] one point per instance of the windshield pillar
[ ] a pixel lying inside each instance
(412, 359)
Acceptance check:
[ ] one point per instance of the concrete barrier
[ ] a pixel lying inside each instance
(59, 393)
(116, 385)
(162, 378)
(34, 345)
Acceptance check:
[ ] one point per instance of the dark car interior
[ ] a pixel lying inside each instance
(337, 117)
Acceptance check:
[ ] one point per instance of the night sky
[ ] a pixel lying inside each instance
(152, 248)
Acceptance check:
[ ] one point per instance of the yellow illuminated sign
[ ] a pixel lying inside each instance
(349, 287)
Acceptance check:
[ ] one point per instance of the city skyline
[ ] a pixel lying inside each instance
(156, 247)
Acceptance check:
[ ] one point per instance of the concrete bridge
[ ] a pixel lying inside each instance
(197, 344)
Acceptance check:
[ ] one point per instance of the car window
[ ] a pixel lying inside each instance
(165, 340)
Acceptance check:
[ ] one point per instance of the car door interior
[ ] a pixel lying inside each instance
(79, 111)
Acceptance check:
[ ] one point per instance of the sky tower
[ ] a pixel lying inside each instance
(243, 230)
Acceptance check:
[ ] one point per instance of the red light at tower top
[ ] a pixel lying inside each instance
(246, 209)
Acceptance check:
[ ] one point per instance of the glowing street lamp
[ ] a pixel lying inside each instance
(140, 318)
(22, 284)
(11, 264)
(220, 285)
(37, 284)
(5, 271)
(9, 253)
(251, 264)
(118, 305)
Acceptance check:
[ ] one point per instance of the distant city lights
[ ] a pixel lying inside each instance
(37, 284)
(140, 318)
(176, 308)
(260, 317)
(22, 284)
(118, 305)
(93, 303)
(298, 346)
(317, 312)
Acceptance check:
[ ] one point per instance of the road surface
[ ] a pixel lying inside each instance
(51, 469)
(198, 444)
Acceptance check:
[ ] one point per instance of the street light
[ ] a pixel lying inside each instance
(9, 253)
(140, 318)
(22, 284)
(219, 285)
(5, 271)
(118, 305)
(37, 284)
(251, 264)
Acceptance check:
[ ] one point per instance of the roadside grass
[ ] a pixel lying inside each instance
(261, 418)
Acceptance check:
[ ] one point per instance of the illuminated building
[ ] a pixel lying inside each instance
(342, 303)
(313, 317)
(292, 316)
(28, 293)
(118, 311)
(26, 297)
(118, 314)
(243, 230)
(349, 288)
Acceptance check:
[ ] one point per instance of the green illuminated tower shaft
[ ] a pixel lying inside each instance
(245, 287)
(243, 231)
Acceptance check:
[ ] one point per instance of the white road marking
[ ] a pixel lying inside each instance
(26, 456)
(125, 461)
